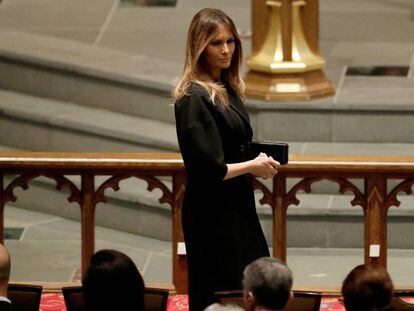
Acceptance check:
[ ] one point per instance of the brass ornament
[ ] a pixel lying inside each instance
(270, 58)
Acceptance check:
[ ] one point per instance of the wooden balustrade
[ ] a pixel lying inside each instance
(375, 199)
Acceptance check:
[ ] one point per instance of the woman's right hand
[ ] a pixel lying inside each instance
(263, 166)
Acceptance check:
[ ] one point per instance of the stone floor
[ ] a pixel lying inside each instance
(48, 250)
(53, 246)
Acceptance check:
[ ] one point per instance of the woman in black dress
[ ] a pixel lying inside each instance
(221, 229)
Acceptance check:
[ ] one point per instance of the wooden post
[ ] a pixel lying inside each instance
(375, 219)
(180, 277)
(88, 219)
(279, 216)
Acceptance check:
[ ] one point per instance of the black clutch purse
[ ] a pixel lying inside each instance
(277, 150)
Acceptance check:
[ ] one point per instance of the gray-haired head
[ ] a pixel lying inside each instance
(270, 282)
(226, 307)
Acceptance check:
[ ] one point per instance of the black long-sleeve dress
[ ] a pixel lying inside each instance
(221, 229)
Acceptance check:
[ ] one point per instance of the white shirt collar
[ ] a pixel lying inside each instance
(5, 299)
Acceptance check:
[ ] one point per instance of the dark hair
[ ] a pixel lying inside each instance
(367, 287)
(113, 282)
(270, 281)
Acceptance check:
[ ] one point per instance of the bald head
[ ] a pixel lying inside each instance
(4, 265)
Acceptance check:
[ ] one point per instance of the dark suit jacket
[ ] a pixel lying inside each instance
(221, 228)
(5, 306)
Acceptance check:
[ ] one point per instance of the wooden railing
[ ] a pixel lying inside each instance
(375, 199)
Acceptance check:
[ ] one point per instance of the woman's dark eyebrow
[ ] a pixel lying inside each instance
(220, 40)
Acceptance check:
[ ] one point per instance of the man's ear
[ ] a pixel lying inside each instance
(249, 301)
(292, 295)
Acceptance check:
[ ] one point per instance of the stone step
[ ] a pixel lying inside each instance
(342, 20)
(87, 75)
(63, 126)
(365, 109)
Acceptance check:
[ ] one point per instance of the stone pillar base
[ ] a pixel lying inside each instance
(288, 86)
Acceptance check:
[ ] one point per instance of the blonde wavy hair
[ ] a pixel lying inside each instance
(202, 29)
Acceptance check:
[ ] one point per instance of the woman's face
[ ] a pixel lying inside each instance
(219, 51)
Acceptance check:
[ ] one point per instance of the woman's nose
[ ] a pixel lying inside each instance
(225, 49)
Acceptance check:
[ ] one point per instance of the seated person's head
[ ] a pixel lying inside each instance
(113, 282)
(367, 287)
(4, 270)
(226, 307)
(267, 284)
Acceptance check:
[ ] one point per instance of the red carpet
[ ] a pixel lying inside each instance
(52, 302)
(55, 302)
(180, 303)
